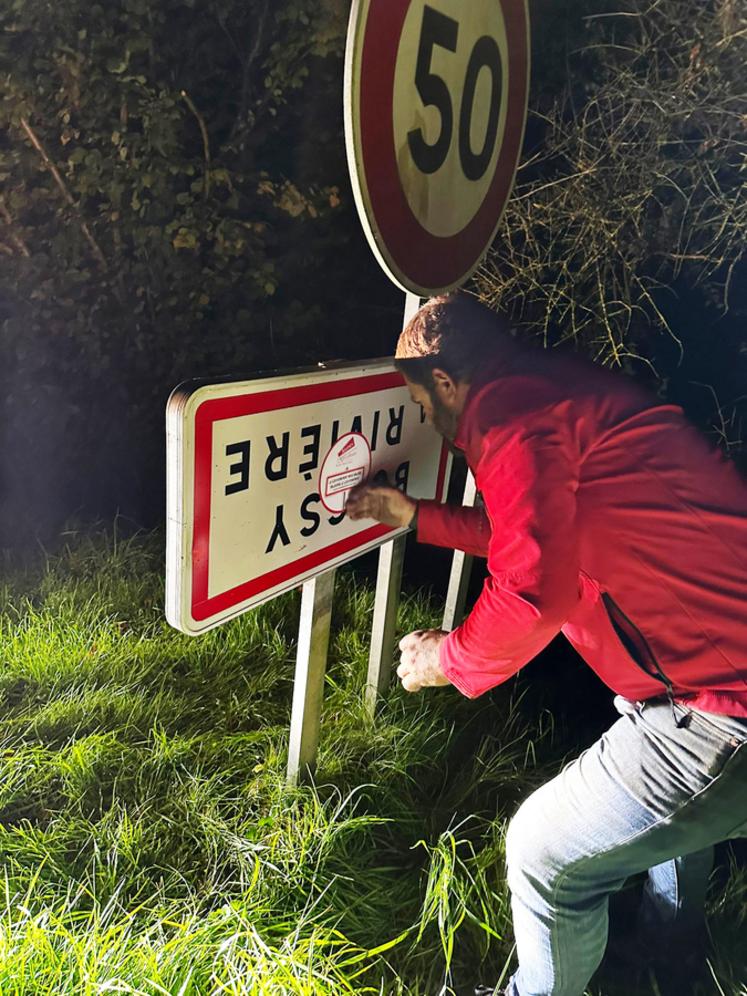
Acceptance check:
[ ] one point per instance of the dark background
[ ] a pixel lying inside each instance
(150, 260)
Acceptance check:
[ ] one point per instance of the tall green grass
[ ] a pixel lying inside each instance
(150, 844)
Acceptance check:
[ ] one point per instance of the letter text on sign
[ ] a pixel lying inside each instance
(276, 464)
(241, 467)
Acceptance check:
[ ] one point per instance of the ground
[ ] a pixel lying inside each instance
(149, 841)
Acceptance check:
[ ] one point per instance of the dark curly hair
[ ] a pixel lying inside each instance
(453, 332)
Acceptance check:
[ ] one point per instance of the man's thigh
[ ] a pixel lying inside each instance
(646, 791)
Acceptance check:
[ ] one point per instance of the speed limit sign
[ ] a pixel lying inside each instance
(435, 105)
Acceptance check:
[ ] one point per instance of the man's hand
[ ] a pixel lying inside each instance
(380, 502)
(419, 661)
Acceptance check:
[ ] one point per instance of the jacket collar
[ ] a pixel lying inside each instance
(497, 366)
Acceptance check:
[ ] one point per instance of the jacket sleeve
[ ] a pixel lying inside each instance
(528, 482)
(459, 527)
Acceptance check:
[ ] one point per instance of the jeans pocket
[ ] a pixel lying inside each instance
(729, 730)
(693, 753)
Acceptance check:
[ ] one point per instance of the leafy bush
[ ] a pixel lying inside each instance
(172, 202)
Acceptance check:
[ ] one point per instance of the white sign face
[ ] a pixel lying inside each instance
(258, 474)
(435, 106)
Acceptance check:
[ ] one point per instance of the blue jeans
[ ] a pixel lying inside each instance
(647, 795)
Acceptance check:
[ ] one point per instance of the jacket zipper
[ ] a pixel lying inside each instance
(640, 652)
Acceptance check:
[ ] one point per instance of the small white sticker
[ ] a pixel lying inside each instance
(346, 464)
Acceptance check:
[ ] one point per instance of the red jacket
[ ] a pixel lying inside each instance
(607, 518)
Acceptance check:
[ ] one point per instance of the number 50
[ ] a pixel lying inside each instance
(438, 29)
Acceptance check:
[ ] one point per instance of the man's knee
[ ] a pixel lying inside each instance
(533, 852)
(549, 858)
(526, 840)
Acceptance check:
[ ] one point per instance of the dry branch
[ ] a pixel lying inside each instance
(33, 138)
(635, 187)
(15, 238)
(205, 142)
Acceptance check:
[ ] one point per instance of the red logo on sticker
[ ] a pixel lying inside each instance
(349, 445)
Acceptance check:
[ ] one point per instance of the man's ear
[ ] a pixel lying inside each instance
(444, 384)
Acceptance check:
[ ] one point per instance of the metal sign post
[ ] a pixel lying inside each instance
(311, 665)
(461, 569)
(388, 587)
(384, 625)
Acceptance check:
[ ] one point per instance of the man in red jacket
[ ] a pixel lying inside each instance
(608, 518)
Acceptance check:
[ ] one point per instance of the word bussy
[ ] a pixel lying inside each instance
(277, 456)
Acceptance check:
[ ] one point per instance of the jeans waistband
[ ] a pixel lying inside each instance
(728, 726)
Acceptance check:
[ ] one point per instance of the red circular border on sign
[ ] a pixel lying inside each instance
(319, 488)
(431, 260)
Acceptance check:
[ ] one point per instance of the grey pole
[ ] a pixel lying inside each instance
(388, 587)
(383, 629)
(311, 664)
(412, 303)
(461, 568)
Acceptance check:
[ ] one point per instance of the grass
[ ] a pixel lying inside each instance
(150, 844)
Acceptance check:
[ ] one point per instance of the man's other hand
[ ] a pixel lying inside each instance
(419, 660)
(380, 502)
